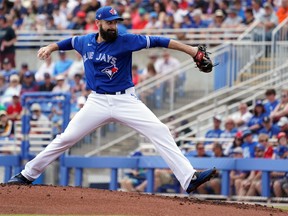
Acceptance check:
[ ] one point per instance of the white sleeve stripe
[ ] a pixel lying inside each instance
(73, 38)
(148, 42)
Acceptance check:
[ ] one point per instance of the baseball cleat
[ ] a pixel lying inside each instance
(19, 179)
(200, 178)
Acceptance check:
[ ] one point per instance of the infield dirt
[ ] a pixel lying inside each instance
(56, 200)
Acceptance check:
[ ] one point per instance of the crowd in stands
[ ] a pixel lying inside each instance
(140, 14)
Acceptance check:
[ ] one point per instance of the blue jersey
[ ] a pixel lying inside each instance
(249, 149)
(273, 131)
(108, 64)
(269, 107)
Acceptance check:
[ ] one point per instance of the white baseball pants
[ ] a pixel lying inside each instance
(127, 109)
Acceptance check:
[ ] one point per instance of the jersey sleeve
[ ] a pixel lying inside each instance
(77, 43)
(136, 42)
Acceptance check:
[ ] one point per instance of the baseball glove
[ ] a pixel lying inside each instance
(202, 60)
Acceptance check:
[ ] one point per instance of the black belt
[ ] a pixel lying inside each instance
(112, 93)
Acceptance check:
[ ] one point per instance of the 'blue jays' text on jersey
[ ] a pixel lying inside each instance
(108, 64)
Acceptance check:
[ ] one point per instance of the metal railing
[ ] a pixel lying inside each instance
(209, 36)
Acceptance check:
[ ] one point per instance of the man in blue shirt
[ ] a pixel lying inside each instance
(272, 101)
(268, 128)
(107, 58)
(248, 145)
(216, 131)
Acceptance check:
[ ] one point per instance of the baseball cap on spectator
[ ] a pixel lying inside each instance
(2, 17)
(259, 103)
(126, 15)
(28, 74)
(237, 150)
(196, 12)
(260, 147)
(14, 77)
(153, 15)
(3, 112)
(60, 77)
(267, 5)
(46, 76)
(280, 135)
(81, 14)
(266, 119)
(218, 117)
(24, 65)
(239, 135)
(246, 133)
(219, 13)
(36, 107)
(283, 121)
(107, 13)
(141, 11)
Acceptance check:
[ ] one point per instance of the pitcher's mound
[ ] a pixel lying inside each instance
(56, 200)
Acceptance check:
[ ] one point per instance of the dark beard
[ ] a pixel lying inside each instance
(109, 35)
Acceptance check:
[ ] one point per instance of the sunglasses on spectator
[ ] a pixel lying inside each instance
(284, 96)
(264, 140)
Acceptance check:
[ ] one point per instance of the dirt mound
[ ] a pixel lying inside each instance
(86, 201)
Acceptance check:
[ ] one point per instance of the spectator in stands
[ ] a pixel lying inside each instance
(269, 128)
(40, 25)
(272, 102)
(77, 67)
(36, 113)
(90, 22)
(237, 176)
(282, 12)
(258, 11)
(198, 21)
(79, 22)
(5, 125)
(3, 85)
(218, 19)
(187, 21)
(14, 88)
(127, 21)
(248, 17)
(63, 65)
(46, 67)
(153, 59)
(50, 24)
(60, 18)
(282, 108)
(176, 11)
(228, 132)
(7, 42)
(29, 19)
(77, 87)
(159, 8)
(169, 22)
(24, 68)
(28, 83)
(224, 5)
(139, 19)
(248, 145)
(249, 186)
(14, 110)
(93, 5)
(256, 122)
(201, 4)
(135, 75)
(237, 4)
(237, 142)
(46, 7)
(263, 139)
(281, 152)
(16, 19)
(48, 84)
(8, 70)
(61, 85)
(232, 20)
(216, 131)
(283, 125)
(200, 150)
(280, 186)
(153, 23)
(213, 6)
(268, 20)
(214, 185)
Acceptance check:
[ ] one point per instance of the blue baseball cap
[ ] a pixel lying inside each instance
(107, 13)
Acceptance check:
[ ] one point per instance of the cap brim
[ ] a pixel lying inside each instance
(113, 18)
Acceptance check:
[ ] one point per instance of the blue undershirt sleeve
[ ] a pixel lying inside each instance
(65, 44)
